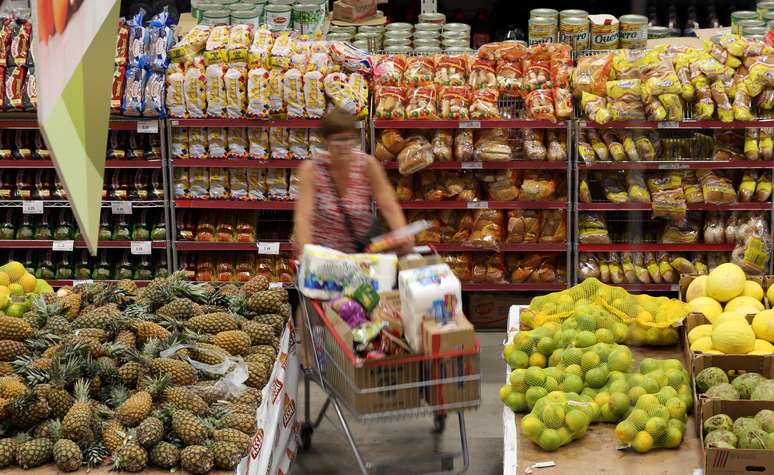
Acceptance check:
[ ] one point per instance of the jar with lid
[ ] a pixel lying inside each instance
(399, 27)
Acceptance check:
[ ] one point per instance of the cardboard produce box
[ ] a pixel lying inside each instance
(693, 320)
(686, 279)
(354, 10)
(719, 461)
(490, 310)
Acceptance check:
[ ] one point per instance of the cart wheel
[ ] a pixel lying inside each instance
(439, 423)
(307, 429)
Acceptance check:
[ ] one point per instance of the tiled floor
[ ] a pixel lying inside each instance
(330, 453)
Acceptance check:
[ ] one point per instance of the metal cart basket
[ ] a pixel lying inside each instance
(388, 388)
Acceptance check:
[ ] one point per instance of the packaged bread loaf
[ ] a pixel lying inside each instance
(389, 70)
(484, 104)
(523, 226)
(557, 145)
(487, 227)
(492, 145)
(422, 103)
(420, 71)
(314, 96)
(505, 188)
(390, 102)
(533, 144)
(442, 145)
(404, 189)
(509, 77)
(488, 268)
(483, 74)
(414, 157)
(258, 101)
(393, 140)
(453, 103)
(451, 71)
(522, 267)
(461, 265)
(537, 187)
(553, 226)
(463, 145)
(763, 188)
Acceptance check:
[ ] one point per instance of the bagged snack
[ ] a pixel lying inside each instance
(358, 85)
(482, 75)
(277, 184)
(117, 91)
(197, 142)
(215, 48)
(153, 96)
(191, 44)
(237, 184)
(451, 71)
(216, 90)
(260, 47)
(337, 89)
(278, 141)
(509, 77)
(595, 108)
(194, 90)
(219, 184)
(199, 183)
(133, 97)
(765, 144)
(615, 147)
(281, 51)
(293, 92)
(256, 184)
(236, 92)
(453, 103)
(182, 184)
(316, 141)
(178, 145)
(217, 140)
(297, 143)
(351, 58)
(747, 186)
(314, 96)
(175, 91)
(390, 103)
(484, 104)
(276, 98)
(415, 156)
(237, 143)
(533, 144)
(420, 71)
(258, 139)
(540, 105)
(389, 70)
(591, 74)
(751, 150)
(258, 100)
(463, 145)
(422, 103)
(239, 42)
(138, 39)
(442, 145)
(763, 188)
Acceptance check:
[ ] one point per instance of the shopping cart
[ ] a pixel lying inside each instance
(385, 389)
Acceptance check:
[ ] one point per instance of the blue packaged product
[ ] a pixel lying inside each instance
(153, 101)
(138, 39)
(135, 91)
(161, 37)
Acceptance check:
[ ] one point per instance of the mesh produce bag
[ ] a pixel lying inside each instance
(557, 419)
(592, 305)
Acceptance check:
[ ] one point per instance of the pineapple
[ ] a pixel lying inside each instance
(209, 354)
(276, 321)
(61, 373)
(189, 428)
(131, 457)
(72, 305)
(196, 459)
(132, 411)
(12, 328)
(150, 432)
(260, 333)
(130, 372)
(235, 342)
(178, 309)
(232, 436)
(180, 372)
(94, 455)
(113, 433)
(98, 318)
(268, 350)
(212, 323)
(27, 410)
(147, 330)
(260, 358)
(128, 287)
(268, 301)
(250, 396)
(258, 375)
(34, 453)
(76, 424)
(158, 292)
(7, 452)
(67, 455)
(127, 339)
(226, 456)
(258, 283)
(11, 386)
(184, 398)
(6, 369)
(165, 455)
(11, 349)
(239, 421)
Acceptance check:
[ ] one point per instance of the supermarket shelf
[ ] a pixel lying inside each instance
(528, 287)
(216, 122)
(685, 124)
(677, 165)
(206, 163)
(529, 247)
(767, 206)
(34, 244)
(648, 287)
(69, 282)
(469, 124)
(224, 246)
(108, 164)
(484, 204)
(227, 204)
(511, 164)
(654, 247)
(29, 120)
(66, 204)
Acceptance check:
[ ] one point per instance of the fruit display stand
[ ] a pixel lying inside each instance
(599, 451)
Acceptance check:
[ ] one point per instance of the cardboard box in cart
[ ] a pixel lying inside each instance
(463, 370)
(719, 461)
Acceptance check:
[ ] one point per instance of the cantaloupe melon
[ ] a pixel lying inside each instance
(733, 337)
(763, 325)
(737, 303)
(698, 332)
(753, 289)
(696, 288)
(726, 316)
(725, 282)
(709, 307)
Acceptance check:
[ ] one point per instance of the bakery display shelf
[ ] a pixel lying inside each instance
(501, 247)
(216, 122)
(226, 246)
(48, 244)
(684, 124)
(505, 165)
(108, 164)
(226, 204)
(679, 165)
(207, 163)
(655, 247)
(66, 204)
(29, 120)
(483, 204)
(524, 287)
(752, 206)
(469, 124)
(71, 282)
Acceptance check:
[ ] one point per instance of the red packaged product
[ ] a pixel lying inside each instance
(453, 103)
(420, 71)
(14, 88)
(421, 104)
(30, 97)
(389, 70)
(6, 33)
(484, 104)
(122, 43)
(540, 105)
(451, 71)
(390, 102)
(119, 83)
(20, 44)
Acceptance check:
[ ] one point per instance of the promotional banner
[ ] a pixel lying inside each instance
(274, 443)
(74, 47)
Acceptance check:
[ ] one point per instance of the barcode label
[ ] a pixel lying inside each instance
(32, 207)
(65, 246)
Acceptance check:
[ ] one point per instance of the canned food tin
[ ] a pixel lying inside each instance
(764, 7)
(657, 32)
(427, 35)
(364, 45)
(201, 7)
(307, 18)
(260, 5)
(574, 31)
(573, 13)
(632, 31)
(281, 2)
(767, 17)
(339, 29)
(541, 30)
(427, 50)
(238, 6)
(278, 16)
(770, 25)
(226, 3)
(457, 43)
(438, 18)
(743, 25)
(544, 13)
(216, 17)
(398, 35)
(738, 16)
(750, 31)
(434, 27)
(457, 27)
(371, 28)
(396, 42)
(429, 43)
(248, 16)
(339, 36)
(604, 32)
(399, 27)
(397, 49)
(454, 35)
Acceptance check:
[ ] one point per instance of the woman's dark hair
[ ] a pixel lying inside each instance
(338, 121)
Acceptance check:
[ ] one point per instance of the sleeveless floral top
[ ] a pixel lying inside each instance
(329, 227)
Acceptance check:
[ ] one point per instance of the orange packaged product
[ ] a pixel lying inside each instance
(540, 105)
(591, 74)
(420, 71)
(503, 51)
(205, 229)
(284, 272)
(451, 71)
(482, 74)
(537, 70)
(461, 264)
(453, 103)
(562, 103)
(224, 231)
(244, 267)
(484, 104)
(205, 270)
(509, 77)
(245, 230)
(225, 271)
(561, 64)
(389, 70)
(265, 266)
(422, 104)
(390, 103)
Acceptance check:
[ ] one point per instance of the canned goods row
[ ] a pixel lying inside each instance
(754, 23)
(404, 35)
(304, 16)
(583, 31)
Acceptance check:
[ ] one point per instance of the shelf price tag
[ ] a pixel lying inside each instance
(478, 204)
(147, 126)
(470, 124)
(275, 285)
(32, 207)
(668, 124)
(672, 166)
(471, 165)
(65, 246)
(121, 207)
(76, 283)
(140, 248)
(268, 248)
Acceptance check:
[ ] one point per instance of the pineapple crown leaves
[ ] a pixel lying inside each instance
(171, 323)
(81, 390)
(118, 395)
(95, 454)
(154, 386)
(54, 429)
(44, 310)
(42, 340)
(101, 411)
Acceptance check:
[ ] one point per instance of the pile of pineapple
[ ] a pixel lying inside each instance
(82, 381)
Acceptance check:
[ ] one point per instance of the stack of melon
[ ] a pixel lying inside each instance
(726, 297)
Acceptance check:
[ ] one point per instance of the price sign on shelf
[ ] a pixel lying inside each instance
(140, 248)
(76, 283)
(121, 207)
(671, 166)
(668, 124)
(32, 207)
(470, 124)
(268, 248)
(65, 246)
(472, 165)
(275, 285)
(147, 126)
(478, 204)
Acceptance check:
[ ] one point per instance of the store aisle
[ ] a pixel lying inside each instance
(330, 453)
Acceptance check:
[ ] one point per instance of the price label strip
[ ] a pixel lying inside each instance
(140, 248)
(76, 283)
(121, 207)
(32, 207)
(275, 285)
(64, 246)
(478, 204)
(668, 124)
(147, 126)
(470, 124)
(472, 165)
(272, 248)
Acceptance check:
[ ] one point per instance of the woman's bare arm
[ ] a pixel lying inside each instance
(384, 195)
(302, 215)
